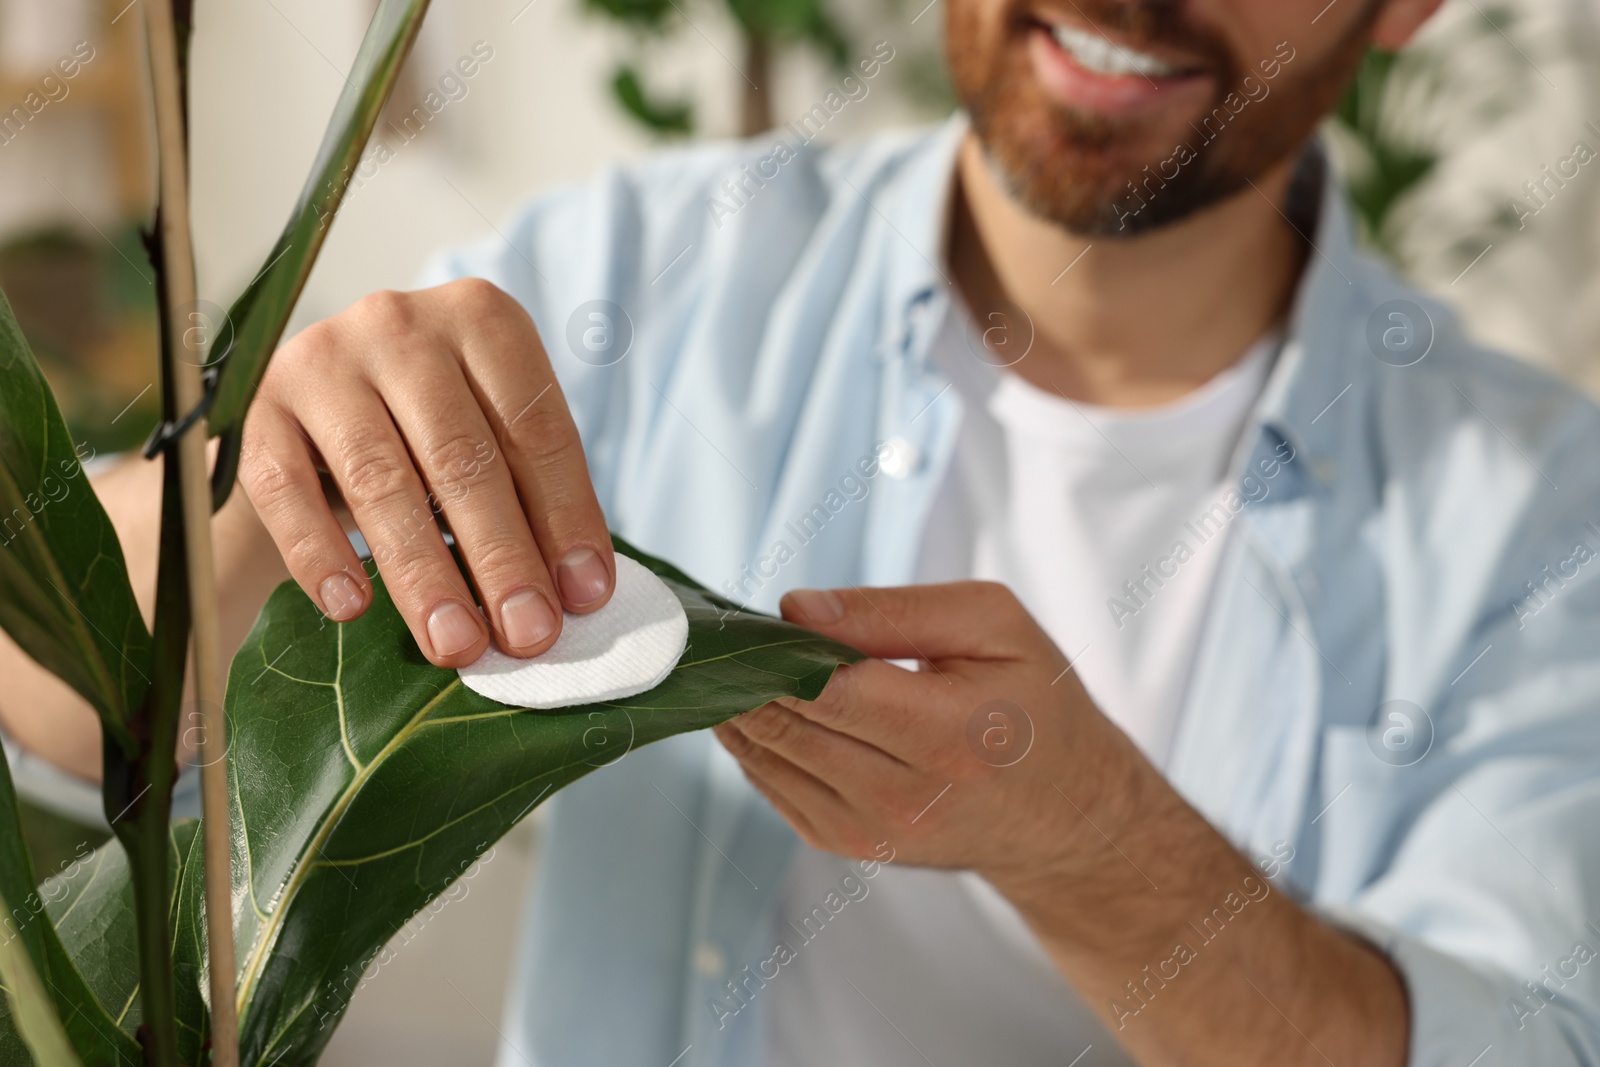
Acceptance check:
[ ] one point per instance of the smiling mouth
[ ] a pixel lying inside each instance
(1098, 54)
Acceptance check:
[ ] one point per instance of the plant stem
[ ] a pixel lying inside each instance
(138, 791)
(183, 375)
(138, 780)
(144, 839)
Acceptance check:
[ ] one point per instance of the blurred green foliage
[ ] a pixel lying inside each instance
(664, 117)
(1389, 167)
(1406, 111)
(764, 27)
(87, 306)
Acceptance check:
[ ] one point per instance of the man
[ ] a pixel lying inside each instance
(1274, 742)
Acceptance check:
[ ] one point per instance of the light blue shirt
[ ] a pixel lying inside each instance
(1432, 542)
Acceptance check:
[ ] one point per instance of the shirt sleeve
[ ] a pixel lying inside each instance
(1476, 867)
(1467, 1014)
(43, 784)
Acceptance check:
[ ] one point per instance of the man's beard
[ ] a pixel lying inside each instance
(1061, 163)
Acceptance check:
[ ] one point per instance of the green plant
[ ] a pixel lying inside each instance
(1406, 112)
(1384, 167)
(764, 26)
(342, 759)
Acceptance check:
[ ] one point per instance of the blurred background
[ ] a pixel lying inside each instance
(1459, 154)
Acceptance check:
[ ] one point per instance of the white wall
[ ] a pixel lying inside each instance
(537, 114)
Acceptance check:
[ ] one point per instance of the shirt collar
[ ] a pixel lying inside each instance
(1324, 369)
(916, 207)
(1307, 400)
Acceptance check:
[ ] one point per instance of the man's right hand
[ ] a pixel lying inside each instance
(443, 396)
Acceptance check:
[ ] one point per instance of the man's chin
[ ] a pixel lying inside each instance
(1124, 215)
(1087, 193)
(1083, 175)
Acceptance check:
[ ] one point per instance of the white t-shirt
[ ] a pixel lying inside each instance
(1102, 522)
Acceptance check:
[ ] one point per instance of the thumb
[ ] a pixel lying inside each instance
(973, 620)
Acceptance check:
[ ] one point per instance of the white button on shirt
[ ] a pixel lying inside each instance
(709, 960)
(899, 458)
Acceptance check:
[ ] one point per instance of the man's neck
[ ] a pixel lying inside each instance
(1126, 322)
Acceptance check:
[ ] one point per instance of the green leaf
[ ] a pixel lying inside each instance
(643, 15)
(31, 1007)
(793, 21)
(91, 906)
(258, 317)
(665, 117)
(367, 780)
(30, 928)
(1384, 169)
(828, 36)
(65, 597)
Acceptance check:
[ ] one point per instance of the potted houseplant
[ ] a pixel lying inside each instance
(346, 781)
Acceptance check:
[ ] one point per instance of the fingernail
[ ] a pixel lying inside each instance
(582, 577)
(816, 605)
(451, 628)
(341, 597)
(526, 619)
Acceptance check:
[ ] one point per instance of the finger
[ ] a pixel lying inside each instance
(902, 713)
(506, 366)
(733, 740)
(806, 803)
(440, 417)
(280, 478)
(971, 620)
(848, 766)
(375, 475)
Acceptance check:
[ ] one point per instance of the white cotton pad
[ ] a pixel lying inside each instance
(626, 647)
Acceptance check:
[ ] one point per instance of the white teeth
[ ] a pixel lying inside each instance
(1094, 52)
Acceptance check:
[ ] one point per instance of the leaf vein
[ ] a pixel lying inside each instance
(747, 648)
(265, 937)
(338, 690)
(396, 850)
(129, 1005)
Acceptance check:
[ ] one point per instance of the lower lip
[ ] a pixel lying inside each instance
(1071, 83)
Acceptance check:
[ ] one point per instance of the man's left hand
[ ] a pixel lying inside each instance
(978, 760)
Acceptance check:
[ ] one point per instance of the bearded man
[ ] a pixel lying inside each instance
(1234, 668)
